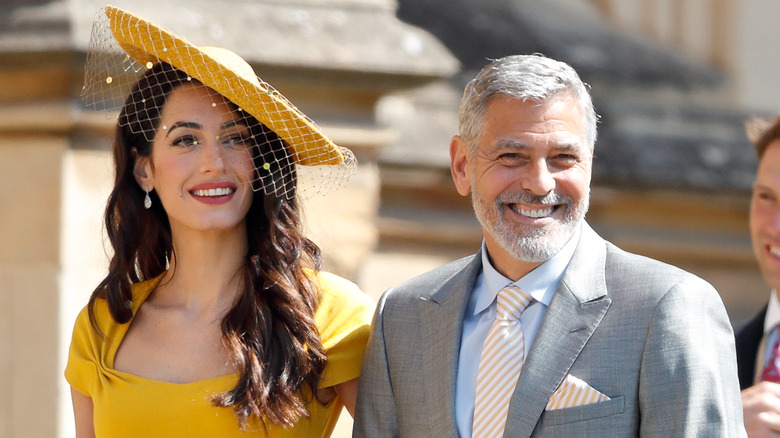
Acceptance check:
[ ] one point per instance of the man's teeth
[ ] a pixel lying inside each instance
(222, 191)
(537, 213)
(774, 250)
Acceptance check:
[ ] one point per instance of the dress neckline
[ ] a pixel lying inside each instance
(141, 292)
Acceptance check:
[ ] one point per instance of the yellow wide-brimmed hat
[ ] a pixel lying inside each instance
(232, 77)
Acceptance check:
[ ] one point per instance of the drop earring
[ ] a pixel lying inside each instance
(147, 200)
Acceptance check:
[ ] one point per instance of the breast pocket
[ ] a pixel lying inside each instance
(593, 411)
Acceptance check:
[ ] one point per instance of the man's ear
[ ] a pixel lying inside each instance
(142, 170)
(459, 165)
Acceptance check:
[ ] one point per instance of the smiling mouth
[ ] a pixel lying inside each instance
(774, 250)
(222, 191)
(535, 213)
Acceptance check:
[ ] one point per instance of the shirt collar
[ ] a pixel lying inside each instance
(539, 283)
(772, 317)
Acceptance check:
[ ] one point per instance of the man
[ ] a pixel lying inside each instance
(548, 330)
(758, 339)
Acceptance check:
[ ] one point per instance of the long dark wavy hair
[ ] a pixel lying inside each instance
(269, 332)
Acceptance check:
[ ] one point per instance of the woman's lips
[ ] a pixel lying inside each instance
(213, 193)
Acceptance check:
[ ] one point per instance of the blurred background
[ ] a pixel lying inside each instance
(673, 80)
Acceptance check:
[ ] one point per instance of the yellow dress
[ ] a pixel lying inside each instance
(130, 406)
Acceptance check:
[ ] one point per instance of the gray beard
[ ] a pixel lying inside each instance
(528, 243)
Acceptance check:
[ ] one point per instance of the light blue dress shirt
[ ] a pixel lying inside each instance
(481, 312)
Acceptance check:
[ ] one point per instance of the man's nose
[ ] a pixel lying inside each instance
(538, 179)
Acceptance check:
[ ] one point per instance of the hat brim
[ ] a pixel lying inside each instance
(146, 42)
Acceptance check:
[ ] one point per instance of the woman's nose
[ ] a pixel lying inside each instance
(212, 156)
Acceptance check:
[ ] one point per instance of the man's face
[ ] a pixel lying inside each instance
(765, 215)
(529, 179)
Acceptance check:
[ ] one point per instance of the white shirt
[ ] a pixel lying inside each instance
(540, 284)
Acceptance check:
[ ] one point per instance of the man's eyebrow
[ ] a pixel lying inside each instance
(760, 186)
(567, 147)
(513, 143)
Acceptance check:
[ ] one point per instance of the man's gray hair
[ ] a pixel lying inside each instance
(525, 77)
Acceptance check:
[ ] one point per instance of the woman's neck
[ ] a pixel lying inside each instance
(205, 272)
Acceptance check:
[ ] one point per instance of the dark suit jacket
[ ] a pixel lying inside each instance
(748, 339)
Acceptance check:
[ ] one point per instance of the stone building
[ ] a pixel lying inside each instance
(333, 58)
(673, 169)
(672, 79)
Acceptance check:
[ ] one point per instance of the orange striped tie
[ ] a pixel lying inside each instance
(502, 359)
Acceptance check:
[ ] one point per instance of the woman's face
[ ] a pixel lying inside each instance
(201, 165)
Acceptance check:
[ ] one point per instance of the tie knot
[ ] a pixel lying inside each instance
(511, 302)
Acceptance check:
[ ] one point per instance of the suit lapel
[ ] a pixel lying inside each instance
(577, 308)
(441, 314)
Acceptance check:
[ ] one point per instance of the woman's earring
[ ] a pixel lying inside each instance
(147, 200)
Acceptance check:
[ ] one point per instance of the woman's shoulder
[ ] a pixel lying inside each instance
(339, 292)
(344, 322)
(343, 306)
(103, 319)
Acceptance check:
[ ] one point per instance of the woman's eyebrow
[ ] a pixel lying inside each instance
(193, 125)
(232, 123)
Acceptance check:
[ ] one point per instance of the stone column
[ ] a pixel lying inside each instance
(30, 269)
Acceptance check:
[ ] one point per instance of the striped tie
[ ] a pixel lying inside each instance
(502, 359)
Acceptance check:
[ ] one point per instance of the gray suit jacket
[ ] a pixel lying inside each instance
(652, 337)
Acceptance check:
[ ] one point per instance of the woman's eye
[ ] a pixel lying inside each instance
(235, 141)
(185, 141)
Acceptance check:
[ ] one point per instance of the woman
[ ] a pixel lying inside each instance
(214, 318)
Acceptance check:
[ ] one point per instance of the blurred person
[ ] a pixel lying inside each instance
(215, 318)
(758, 341)
(548, 330)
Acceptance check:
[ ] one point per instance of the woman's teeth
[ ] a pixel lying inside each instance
(222, 191)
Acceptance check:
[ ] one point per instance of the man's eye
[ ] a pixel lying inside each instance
(510, 159)
(764, 196)
(186, 141)
(565, 160)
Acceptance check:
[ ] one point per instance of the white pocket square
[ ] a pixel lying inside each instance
(574, 392)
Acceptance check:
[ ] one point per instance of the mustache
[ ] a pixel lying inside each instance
(551, 198)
